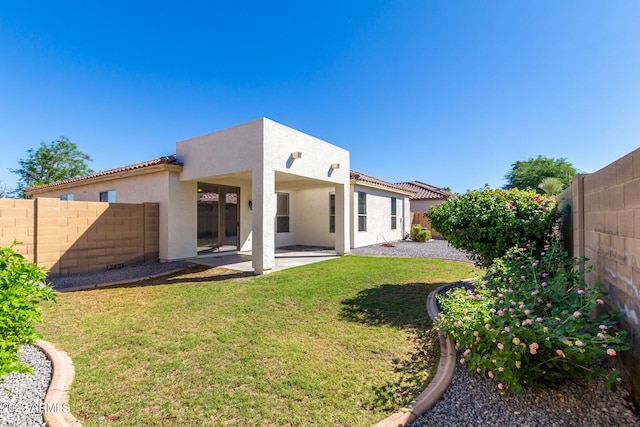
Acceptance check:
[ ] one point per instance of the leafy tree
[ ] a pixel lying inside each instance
(551, 185)
(4, 190)
(530, 173)
(56, 161)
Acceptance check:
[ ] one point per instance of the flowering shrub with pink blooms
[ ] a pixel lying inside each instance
(486, 223)
(528, 322)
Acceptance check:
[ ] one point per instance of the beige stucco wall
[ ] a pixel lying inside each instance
(378, 216)
(604, 226)
(312, 222)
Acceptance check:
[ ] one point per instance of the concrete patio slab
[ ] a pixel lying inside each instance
(284, 258)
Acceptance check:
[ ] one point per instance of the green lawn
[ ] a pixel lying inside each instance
(342, 342)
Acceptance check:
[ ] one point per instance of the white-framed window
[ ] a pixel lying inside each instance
(332, 212)
(282, 213)
(362, 211)
(68, 197)
(394, 218)
(108, 196)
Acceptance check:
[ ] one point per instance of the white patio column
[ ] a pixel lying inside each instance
(263, 220)
(342, 242)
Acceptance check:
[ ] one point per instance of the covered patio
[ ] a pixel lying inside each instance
(289, 257)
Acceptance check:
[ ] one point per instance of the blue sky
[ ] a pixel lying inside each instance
(447, 92)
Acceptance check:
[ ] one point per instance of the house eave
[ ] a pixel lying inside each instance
(164, 167)
(381, 187)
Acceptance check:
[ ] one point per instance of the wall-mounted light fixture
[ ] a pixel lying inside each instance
(199, 190)
(335, 166)
(296, 155)
(250, 205)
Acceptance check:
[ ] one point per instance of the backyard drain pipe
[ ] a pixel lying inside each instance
(57, 413)
(448, 356)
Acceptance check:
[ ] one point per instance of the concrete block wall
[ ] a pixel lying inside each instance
(81, 237)
(17, 223)
(604, 226)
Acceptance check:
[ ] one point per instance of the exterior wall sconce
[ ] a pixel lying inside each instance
(250, 205)
(335, 166)
(296, 155)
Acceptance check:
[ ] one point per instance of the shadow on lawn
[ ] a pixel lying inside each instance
(191, 274)
(404, 307)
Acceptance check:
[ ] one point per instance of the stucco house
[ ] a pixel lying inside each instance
(424, 197)
(252, 187)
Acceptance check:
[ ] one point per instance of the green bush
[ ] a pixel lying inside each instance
(22, 287)
(486, 223)
(528, 323)
(414, 231)
(420, 235)
(423, 236)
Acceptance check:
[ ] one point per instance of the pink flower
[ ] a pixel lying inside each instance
(611, 352)
(523, 277)
(577, 314)
(501, 346)
(580, 291)
(507, 329)
(488, 326)
(544, 274)
(579, 343)
(560, 353)
(535, 292)
(500, 386)
(501, 312)
(475, 333)
(544, 284)
(466, 352)
(527, 312)
(599, 301)
(539, 319)
(490, 374)
(603, 327)
(478, 370)
(462, 361)
(533, 351)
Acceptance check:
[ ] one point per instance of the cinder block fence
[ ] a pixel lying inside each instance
(604, 225)
(80, 237)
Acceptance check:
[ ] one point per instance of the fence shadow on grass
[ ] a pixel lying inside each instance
(401, 306)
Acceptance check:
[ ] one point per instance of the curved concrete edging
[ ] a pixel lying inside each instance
(56, 413)
(441, 381)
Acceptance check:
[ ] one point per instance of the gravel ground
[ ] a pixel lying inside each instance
(131, 272)
(473, 400)
(22, 395)
(435, 248)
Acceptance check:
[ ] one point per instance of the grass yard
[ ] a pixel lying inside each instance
(342, 342)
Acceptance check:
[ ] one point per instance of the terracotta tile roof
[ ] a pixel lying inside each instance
(159, 161)
(363, 177)
(424, 191)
